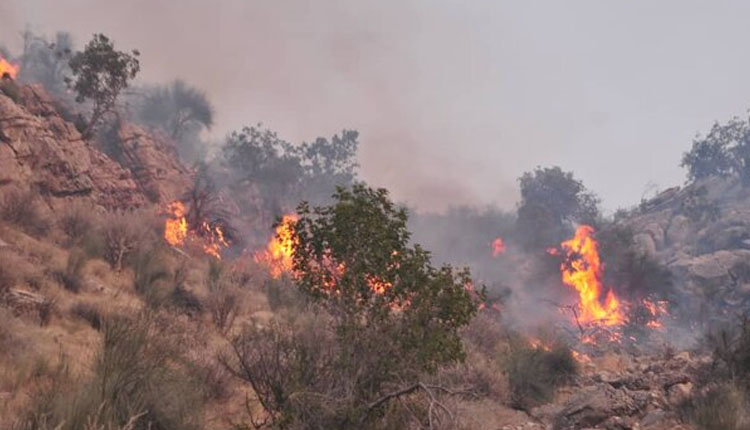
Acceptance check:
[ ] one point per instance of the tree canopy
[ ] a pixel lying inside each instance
(100, 73)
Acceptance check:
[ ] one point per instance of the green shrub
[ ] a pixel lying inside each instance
(535, 372)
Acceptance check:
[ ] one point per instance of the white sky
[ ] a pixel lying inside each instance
(453, 99)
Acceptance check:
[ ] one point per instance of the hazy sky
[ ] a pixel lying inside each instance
(453, 99)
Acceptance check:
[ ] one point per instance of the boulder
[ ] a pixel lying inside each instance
(593, 405)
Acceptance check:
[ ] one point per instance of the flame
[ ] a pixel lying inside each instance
(656, 310)
(177, 231)
(538, 344)
(278, 252)
(498, 246)
(175, 227)
(583, 272)
(8, 67)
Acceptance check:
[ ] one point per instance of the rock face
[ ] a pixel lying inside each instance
(41, 150)
(702, 234)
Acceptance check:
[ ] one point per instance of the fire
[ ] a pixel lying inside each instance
(656, 310)
(8, 67)
(177, 231)
(278, 253)
(583, 272)
(498, 246)
(175, 227)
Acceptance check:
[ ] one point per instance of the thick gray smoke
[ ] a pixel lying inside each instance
(453, 100)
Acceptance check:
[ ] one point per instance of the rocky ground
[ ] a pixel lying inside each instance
(622, 391)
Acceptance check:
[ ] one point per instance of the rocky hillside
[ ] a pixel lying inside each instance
(702, 233)
(39, 149)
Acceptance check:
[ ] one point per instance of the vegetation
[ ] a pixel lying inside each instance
(22, 208)
(386, 318)
(284, 173)
(551, 201)
(99, 74)
(723, 151)
(534, 372)
(180, 112)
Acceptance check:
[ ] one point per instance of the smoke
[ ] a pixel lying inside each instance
(453, 100)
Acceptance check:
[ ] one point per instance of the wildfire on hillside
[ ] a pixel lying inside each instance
(177, 231)
(8, 67)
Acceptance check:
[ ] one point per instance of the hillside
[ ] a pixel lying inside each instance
(104, 319)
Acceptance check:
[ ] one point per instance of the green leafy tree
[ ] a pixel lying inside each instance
(100, 74)
(354, 257)
(552, 200)
(712, 155)
(384, 318)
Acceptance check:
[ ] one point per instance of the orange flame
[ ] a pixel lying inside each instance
(498, 246)
(177, 232)
(8, 67)
(656, 310)
(583, 272)
(175, 227)
(278, 253)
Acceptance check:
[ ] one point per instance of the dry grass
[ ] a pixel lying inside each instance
(23, 209)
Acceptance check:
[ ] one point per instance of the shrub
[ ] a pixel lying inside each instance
(731, 348)
(22, 209)
(71, 277)
(149, 276)
(45, 310)
(135, 374)
(76, 222)
(89, 313)
(535, 372)
(724, 407)
(382, 319)
(185, 300)
(122, 234)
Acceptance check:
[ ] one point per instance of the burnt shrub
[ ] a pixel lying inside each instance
(535, 372)
(21, 208)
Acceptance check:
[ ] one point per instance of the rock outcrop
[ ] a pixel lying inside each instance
(41, 150)
(702, 234)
